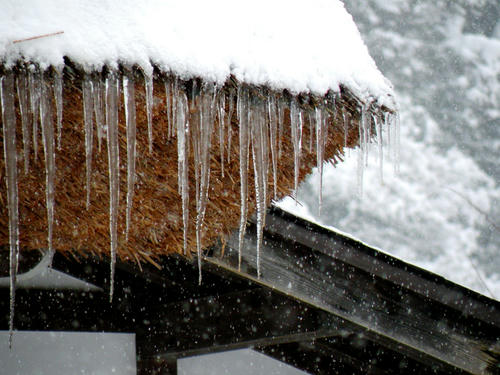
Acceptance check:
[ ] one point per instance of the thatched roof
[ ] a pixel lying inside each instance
(117, 142)
(156, 220)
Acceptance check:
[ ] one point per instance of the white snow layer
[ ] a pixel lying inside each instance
(311, 46)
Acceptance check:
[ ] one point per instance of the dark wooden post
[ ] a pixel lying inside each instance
(156, 366)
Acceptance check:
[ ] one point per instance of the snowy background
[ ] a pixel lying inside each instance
(441, 212)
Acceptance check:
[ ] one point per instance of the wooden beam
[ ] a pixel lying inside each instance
(370, 294)
(156, 366)
(223, 314)
(136, 292)
(359, 255)
(255, 317)
(348, 354)
(66, 310)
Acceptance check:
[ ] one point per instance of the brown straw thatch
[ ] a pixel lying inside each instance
(157, 226)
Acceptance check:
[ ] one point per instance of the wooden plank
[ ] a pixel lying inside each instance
(177, 278)
(232, 321)
(136, 295)
(51, 310)
(398, 317)
(348, 354)
(359, 255)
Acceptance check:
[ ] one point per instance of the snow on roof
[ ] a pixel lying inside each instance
(311, 46)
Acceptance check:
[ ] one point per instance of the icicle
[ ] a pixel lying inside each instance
(24, 108)
(201, 136)
(320, 147)
(175, 94)
(7, 94)
(182, 127)
(229, 124)
(221, 112)
(388, 126)
(260, 162)
(114, 169)
(87, 121)
(129, 101)
(311, 129)
(46, 121)
(281, 124)
(397, 137)
(296, 125)
(346, 126)
(273, 130)
(168, 108)
(242, 109)
(361, 151)
(99, 115)
(148, 80)
(366, 126)
(391, 121)
(325, 116)
(58, 97)
(378, 129)
(34, 87)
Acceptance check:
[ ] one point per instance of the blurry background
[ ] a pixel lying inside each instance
(441, 212)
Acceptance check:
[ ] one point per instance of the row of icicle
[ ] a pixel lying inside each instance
(191, 120)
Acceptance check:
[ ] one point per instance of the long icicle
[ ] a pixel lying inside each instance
(243, 112)
(221, 114)
(182, 127)
(320, 146)
(46, 121)
(88, 99)
(24, 108)
(195, 119)
(229, 124)
(281, 122)
(257, 165)
(397, 137)
(201, 136)
(310, 121)
(207, 125)
(58, 97)
(260, 162)
(345, 123)
(367, 132)
(175, 91)
(114, 170)
(296, 127)
(130, 118)
(7, 94)
(361, 150)
(148, 81)
(273, 131)
(378, 129)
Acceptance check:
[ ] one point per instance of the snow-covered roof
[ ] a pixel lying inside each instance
(311, 46)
